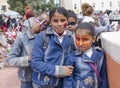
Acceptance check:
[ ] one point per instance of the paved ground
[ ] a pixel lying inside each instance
(8, 78)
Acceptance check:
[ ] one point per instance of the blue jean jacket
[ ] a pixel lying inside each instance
(48, 66)
(18, 56)
(84, 75)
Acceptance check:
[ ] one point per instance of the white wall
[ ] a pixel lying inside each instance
(3, 2)
(69, 4)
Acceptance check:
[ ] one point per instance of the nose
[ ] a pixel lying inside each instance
(59, 23)
(81, 42)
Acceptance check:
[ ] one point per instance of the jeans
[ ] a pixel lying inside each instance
(27, 84)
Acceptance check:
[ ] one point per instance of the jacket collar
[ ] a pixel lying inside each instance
(50, 30)
(86, 57)
(30, 35)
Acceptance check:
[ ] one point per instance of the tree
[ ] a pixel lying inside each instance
(36, 5)
(17, 5)
(40, 5)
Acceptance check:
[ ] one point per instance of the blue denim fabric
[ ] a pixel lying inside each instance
(44, 63)
(26, 84)
(84, 75)
(18, 56)
(39, 86)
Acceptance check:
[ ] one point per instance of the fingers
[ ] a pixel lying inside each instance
(70, 67)
(68, 70)
(41, 22)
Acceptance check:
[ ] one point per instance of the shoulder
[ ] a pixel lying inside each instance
(99, 51)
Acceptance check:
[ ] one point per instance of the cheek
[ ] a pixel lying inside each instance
(87, 43)
(54, 26)
(65, 24)
(77, 43)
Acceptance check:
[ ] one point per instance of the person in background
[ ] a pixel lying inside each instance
(72, 21)
(48, 63)
(28, 13)
(28, 18)
(87, 12)
(20, 53)
(89, 62)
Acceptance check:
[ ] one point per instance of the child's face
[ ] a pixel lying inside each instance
(58, 22)
(83, 40)
(71, 24)
(41, 23)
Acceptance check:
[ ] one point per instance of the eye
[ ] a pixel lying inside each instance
(85, 39)
(63, 20)
(55, 20)
(77, 39)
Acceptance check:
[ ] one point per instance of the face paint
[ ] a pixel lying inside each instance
(65, 25)
(44, 25)
(83, 40)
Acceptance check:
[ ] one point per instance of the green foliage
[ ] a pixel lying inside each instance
(36, 5)
(17, 5)
(40, 5)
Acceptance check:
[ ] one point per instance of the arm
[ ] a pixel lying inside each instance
(15, 58)
(39, 65)
(37, 62)
(103, 74)
(69, 80)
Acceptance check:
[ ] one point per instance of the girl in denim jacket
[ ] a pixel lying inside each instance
(48, 64)
(20, 53)
(88, 62)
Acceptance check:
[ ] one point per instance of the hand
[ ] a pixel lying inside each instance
(37, 25)
(68, 70)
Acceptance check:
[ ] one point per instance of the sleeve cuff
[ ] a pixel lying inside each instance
(59, 71)
(25, 61)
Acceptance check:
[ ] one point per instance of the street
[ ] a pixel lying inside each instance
(8, 78)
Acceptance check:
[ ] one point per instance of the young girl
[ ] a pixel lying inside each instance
(88, 62)
(72, 21)
(48, 64)
(20, 53)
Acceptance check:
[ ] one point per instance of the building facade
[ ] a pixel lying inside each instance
(97, 4)
(3, 6)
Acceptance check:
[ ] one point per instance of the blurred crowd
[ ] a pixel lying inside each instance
(11, 27)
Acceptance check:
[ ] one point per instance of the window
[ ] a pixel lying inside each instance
(3, 8)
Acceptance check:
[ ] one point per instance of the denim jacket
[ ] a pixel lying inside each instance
(48, 65)
(84, 76)
(19, 53)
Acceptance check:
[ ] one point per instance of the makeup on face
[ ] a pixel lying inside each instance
(59, 23)
(39, 19)
(65, 24)
(83, 40)
(44, 24)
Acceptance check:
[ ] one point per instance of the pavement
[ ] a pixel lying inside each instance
(8, 77)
